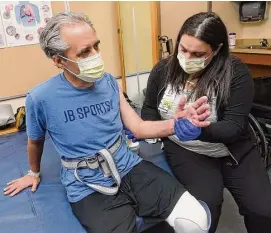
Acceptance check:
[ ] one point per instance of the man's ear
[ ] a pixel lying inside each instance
(58, 61)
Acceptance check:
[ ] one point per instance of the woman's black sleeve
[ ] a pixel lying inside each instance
(235, 117)
(149, 110)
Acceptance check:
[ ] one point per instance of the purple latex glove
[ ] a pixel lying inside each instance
(185, 130)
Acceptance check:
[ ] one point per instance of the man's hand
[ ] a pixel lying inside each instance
(196, 113)
(16, 186)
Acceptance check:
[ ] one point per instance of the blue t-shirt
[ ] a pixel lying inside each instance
(80, 122)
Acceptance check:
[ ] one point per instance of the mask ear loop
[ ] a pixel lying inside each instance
(214, 54)
(70, 61)
(218, 49)
(67, 58)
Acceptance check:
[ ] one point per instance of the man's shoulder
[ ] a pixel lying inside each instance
(110, 76)
(45, 88)
(111, 79)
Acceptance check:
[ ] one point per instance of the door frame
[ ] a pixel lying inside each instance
(155, 32)
(121, 53)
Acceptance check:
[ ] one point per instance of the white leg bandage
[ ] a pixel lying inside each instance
(189, 216)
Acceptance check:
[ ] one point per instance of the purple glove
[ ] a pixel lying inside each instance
(130, 135)
(185, 130)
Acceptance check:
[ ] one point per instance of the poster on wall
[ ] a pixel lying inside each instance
(23, 21)
(2, 36)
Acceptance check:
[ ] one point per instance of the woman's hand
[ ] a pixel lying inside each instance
(197, 112)
(190, 119)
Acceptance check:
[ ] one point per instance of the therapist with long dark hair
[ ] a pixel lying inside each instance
(223, 155)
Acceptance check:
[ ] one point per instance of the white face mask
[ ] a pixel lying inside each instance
(91, 68)
(193, 65)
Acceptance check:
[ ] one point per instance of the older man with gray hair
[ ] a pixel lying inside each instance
(83, 110)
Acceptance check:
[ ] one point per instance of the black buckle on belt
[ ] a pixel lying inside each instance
(103, 166)
(91, 160)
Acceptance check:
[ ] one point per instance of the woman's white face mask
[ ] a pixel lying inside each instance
(194, 65)
(91, 68)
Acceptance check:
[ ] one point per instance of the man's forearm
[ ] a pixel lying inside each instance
(35, 149)
(155, 129)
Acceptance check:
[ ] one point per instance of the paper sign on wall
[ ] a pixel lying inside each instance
(23, 21)
(2, 35)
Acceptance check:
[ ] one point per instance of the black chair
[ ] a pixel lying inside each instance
(262, 93)
(260, 128)
(260, 139)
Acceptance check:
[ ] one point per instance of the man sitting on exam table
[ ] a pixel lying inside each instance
(84, 110)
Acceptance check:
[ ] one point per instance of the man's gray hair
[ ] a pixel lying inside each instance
(50, 40)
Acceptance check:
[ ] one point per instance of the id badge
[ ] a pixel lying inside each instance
(167, 101)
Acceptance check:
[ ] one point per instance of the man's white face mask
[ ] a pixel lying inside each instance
(91, 68)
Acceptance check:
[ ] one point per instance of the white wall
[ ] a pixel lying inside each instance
(132, 87)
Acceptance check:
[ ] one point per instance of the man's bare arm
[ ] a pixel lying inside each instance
(35, 149)
(164, 128)
(144, 129)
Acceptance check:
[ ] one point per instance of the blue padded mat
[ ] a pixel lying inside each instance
(47, 210)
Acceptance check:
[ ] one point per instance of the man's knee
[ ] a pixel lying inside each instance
(189, 216)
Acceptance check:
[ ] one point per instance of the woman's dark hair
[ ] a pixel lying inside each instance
(216, 77)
